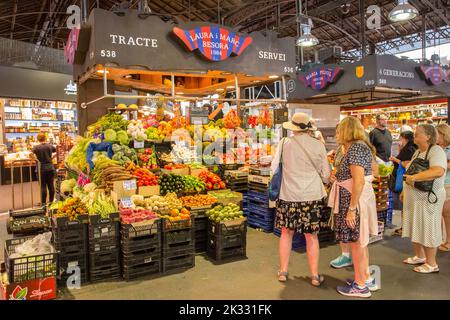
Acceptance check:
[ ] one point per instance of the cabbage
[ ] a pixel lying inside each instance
(122, 137)
(110, 135)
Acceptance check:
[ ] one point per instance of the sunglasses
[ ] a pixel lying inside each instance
(302, 125)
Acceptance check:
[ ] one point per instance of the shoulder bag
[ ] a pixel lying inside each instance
(275, 182)
(419, 165)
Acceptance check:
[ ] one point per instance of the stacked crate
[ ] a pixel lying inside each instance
(245, 203)
(381, 189)
(259, 214)
(178, 245)
(141, 249)
(71, 243)
(227, 241)
(104, 247)
(200, 228)
(236, 180)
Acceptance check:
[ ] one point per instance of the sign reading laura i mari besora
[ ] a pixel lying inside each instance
(214, 43)
(320, 78)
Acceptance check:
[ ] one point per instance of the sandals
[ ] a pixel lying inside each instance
(282, 276)
(415, 260)
(445, 247)
(317, 281)
(426, 268)
(398, 232)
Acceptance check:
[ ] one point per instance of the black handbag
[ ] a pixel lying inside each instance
(419, 165)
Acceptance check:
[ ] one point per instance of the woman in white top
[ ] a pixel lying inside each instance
(422, 211)
(302, 194)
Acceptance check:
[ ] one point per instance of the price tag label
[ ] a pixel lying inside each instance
(129, 185)
(126, 203)
(104, 230)
(138, 144)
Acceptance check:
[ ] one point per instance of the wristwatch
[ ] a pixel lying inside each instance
(352, 210)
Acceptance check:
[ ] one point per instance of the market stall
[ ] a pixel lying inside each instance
(151, 184)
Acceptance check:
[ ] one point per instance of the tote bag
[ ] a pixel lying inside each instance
(398, 188)
(275, 182)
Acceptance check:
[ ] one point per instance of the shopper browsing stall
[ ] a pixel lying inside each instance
(405, 127)
(353, 201)
(43, 152)
(381, 138)
(305, 168)
(408, 148)
(421, 209)
(444, 142)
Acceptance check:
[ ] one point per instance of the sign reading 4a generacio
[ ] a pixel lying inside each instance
(128, 41)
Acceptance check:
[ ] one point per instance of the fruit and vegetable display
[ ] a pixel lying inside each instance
(145, 177)
(98, 203)
(196, 166)
(124, 154)
(212, 181)
(385, 170)
(136, 130)
(71, 208)
(231, 120)
(76, 159)
(222, 213)
(68, 185)
(193, 184)
(175, 166)
(106, 171)
(182, 154)
(111, 121)
(176, 214)
(153, 134)
(147, 158)
(200, 200)
(171, 183)
(128, 215)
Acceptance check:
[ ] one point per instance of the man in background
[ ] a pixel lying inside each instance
(405, 127)
(381, 138)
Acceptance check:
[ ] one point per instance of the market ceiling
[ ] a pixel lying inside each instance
(42, 22)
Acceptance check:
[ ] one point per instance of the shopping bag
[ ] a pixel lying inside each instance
(399, 178)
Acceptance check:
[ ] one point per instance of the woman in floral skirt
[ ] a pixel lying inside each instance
(305, 169)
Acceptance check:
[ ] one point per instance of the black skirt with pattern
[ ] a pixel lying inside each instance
(303, 217)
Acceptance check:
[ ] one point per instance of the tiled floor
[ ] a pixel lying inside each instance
(255, 278)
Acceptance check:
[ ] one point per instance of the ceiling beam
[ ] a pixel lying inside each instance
(13, 22)
(437, 11)
(36, 24)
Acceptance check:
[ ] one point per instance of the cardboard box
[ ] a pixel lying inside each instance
(123, 189)
(37, 289)
(181, 172)
(259, 179)
(148, 191)
(237, 196)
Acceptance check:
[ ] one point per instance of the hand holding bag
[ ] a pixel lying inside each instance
(275, 182)
(419, 165)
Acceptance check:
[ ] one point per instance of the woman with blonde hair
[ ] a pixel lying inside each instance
(353, 201)
(444, 142)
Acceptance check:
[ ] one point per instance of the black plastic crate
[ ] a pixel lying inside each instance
(129, 245)
(227, 228)
(180, 236)
(153, 267)
(141, 257)
(201, 223)
(105, 273)
(200, 247)
(228, 241)
(180, 263)
(227, 254)
(71, 233)
(30, 267)
(178, 249)
(168, 225)
(148, 228)
(66, 223)
(201, 236)
(104, 244)
(101, 228)
(72, 248)
(105, 258)
(64, 263)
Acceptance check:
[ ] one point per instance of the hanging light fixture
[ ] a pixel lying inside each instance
(307, 39)
(403, 12)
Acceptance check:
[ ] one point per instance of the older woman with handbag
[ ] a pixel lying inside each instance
(423, 199)
(304, 165)
(353, 201)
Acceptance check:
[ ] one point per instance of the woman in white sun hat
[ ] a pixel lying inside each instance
(305, 170)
